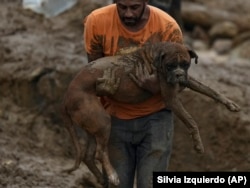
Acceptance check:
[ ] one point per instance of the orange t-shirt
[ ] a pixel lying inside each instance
(105, 34)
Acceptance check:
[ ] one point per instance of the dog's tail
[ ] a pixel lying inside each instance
(69, 124)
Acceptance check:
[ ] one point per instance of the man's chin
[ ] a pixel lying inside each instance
(129, 23)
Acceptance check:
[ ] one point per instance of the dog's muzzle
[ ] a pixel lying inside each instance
(179, 76)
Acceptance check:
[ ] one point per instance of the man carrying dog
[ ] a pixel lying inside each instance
(141, 134)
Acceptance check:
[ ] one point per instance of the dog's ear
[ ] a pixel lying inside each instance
(158, 60)
(192, 54)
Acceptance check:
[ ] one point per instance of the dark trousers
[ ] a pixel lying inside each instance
(140, 146)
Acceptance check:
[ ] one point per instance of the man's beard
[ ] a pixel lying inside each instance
(132, 21)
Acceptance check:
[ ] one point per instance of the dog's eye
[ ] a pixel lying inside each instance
(170, 67)
(185, 65)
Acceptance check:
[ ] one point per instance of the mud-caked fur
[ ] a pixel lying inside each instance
(81, 106)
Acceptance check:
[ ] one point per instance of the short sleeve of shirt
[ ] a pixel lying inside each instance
(93, 43)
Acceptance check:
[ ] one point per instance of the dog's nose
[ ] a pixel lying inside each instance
(178, 74)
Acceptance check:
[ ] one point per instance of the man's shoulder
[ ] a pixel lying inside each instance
(160, 14)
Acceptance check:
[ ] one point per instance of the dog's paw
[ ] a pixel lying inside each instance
(113, 178)
(233, 107)
(69, 170)
(199, 148)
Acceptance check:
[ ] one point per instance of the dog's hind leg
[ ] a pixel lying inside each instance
(93, 118)
(199, 87)
(102, 138)
(89, 158)
(71, 129)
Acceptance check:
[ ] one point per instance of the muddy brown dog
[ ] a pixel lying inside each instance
(81, 106)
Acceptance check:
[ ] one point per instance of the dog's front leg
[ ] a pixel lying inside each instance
(170, 95)
(188, 120)
(199, 87)
(146, 79)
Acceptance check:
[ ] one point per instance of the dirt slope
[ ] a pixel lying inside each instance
(38, 58)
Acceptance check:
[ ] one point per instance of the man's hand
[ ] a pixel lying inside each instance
(108, 84)
(146, 80)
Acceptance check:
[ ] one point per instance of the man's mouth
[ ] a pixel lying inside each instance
(129, 20)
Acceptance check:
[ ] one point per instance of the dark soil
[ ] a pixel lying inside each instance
(38, 58)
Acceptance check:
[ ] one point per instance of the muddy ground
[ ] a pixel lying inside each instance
(38, 58)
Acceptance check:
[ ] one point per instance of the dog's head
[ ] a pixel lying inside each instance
(173, 61)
